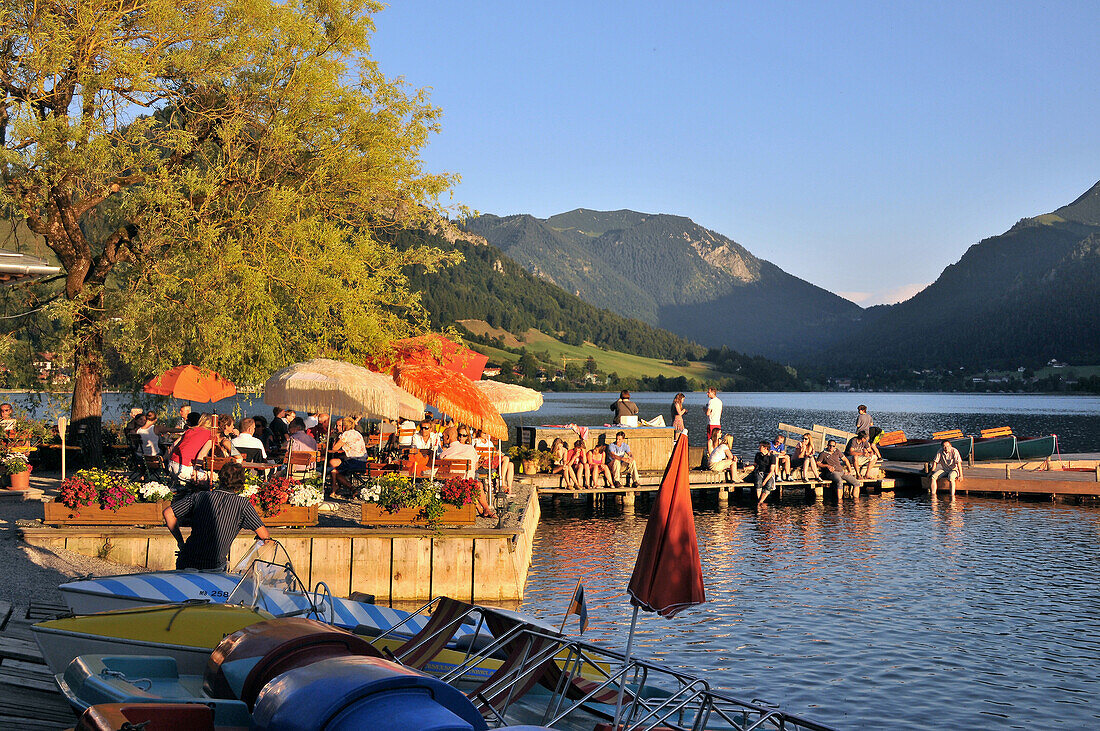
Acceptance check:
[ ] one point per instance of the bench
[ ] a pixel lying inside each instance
(1000, 431)
(948, 434)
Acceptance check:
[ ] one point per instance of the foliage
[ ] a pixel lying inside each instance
(14, 463)
(520, 453)
(307, 492)
(173, 149)
(109, 489)
(25, 433)
(545, 460)
(393, 492)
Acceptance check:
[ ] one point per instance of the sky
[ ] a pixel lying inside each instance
(861, 146)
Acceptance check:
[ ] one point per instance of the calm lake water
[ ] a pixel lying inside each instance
(882, 612)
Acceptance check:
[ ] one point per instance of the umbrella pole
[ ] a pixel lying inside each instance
(626, 661)
(324, 456)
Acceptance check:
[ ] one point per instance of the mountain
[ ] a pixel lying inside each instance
(1020, 298)
(489, 286)
(672, 273)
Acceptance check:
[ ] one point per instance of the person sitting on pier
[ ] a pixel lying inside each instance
(597, 465)
(864, 455)
(805, 459)
(559, 457)
(577, 459)
(838, 470)
(622, 459)
(722, 459)
(715, 440)
(765, 471)
(948, 463)
(782, 459)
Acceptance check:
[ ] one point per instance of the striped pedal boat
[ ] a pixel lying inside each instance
(89, 596)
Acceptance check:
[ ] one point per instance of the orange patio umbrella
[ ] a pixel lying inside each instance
(453, 394)
(432, 349)
(191, 383)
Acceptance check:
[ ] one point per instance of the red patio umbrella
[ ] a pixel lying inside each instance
(668, 576)
(191, 383)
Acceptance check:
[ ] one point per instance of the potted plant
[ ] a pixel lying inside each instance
(18, 469)
(114, 499)
(526, 457)
(395, 499)
(282, 501)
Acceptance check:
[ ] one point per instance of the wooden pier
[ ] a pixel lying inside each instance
(1072, 475)
(29, 698)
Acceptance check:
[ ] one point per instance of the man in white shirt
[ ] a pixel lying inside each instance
(425, 439)
(457, 449)
(714, 412)
(247, 439)
(948, 463)
(311, 420)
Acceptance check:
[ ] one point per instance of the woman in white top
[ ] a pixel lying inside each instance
(500, 460)
(147, 435)
(354, 451)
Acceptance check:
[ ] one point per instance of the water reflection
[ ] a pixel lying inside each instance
(883, 611)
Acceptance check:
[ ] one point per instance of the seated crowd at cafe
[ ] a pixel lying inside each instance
(300, 445)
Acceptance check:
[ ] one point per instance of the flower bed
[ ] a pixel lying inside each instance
(395, 499)
(285, 502)
(96, 497)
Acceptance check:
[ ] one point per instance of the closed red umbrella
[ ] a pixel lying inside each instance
(668, 576)
(191, 383)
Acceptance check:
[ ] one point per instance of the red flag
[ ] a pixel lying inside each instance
(667, 575)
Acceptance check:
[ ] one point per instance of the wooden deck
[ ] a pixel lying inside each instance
(29, 698)
(1044, 478)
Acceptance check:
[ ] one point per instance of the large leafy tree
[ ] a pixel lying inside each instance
(212, 175)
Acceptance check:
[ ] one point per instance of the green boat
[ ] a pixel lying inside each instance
(923, 450)
(994, 448)
(1036, 447)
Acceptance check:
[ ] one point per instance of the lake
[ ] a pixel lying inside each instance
(884, 612)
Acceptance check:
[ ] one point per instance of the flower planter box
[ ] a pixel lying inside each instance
(136, 514)
(292, 516)
(373, 514)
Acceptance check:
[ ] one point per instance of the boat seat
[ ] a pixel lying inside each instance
(1000, 431)
(891, 437)
(947, 434)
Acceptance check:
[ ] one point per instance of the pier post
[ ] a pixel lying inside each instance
(723, 493)
(628, 500)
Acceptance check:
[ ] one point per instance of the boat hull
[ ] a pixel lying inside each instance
(1036, 447)
(994, 448)
(923, 450)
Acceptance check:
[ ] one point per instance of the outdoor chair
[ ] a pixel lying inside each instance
(445, 469)
(301, 462)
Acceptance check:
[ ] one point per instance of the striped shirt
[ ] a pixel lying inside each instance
(215, 518)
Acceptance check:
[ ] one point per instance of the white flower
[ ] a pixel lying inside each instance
(250, 489)
(154, 491)
(306, 496)
(370, 494)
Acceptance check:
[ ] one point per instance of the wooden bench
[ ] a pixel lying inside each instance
(891, 437)
(1000, 431)
(948, 434)
(839, 435)
(795, 434)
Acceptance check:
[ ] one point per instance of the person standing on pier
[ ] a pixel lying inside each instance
(714, 412)
(864, 422)
(678, 412)
(948, 463)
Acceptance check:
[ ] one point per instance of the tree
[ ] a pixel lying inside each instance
(590, 365)
(527, 365)
(212, 175)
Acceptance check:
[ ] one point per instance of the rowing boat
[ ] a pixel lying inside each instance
(1036, 447)
(923, 450)
(987, 449)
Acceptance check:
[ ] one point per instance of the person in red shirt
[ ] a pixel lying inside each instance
(191, 449)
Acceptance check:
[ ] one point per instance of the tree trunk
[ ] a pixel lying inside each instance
(86, 415)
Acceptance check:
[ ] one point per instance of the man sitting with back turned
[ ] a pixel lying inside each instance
(626, 411)
(215, 517)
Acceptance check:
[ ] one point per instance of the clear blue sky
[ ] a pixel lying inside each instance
(861, 146)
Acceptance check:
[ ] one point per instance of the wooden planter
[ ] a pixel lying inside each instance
(373, 514)
(136, 514)
(292, 516)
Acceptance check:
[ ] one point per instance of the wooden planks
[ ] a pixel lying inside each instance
(411, 568)
(29, 698)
